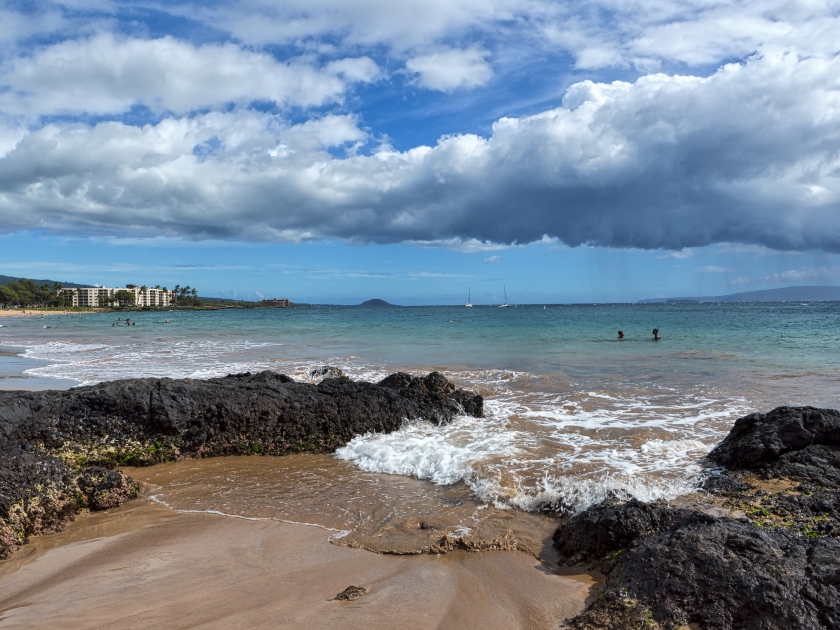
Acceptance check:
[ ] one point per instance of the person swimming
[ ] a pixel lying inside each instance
(656, 334)
(621, 334)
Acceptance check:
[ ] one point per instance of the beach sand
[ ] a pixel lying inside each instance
(143, 565)
(29, 312)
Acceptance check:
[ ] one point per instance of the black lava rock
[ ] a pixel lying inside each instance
(776, 568)
(685, 566)
(326, 371)
(58, 448)
(801, 443)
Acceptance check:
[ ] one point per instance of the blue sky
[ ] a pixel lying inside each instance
(333, 151)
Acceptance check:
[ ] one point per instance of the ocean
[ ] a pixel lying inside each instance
(573, 414)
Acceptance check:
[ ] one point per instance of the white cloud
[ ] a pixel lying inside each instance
(682, 253)
(805, 273)
(463, 245)
(448, 70)
(740, 280)
(663, 162)
(601, 33)
(666, 162)
(399, 25)
(713, 269)
(492, 260)
(105, 75)
(642, 34)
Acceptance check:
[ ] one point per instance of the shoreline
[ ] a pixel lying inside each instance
(154, 562)
(13, 312)
(665, 564)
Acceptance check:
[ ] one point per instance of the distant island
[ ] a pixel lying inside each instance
(376, 303)
(787, 294)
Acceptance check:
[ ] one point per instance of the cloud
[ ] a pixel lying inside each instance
(492, 260)
(448, 70)
(106, 75)
(805, 273)
(665, 162)
(713, 269)
(399, 25)
(465, 246)
(740, 280)
(683, 253)
(752, 250)
(641, 34)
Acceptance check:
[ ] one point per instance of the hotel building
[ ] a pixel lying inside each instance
(103, 296)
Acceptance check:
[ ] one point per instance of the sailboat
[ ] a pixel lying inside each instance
(505, 305)
(469, 301)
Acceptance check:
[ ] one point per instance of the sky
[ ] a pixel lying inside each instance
(333, 151)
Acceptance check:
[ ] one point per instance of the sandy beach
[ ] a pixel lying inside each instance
(29, 312)
(144, 565)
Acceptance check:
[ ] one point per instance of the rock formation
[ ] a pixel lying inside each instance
(776, 567)
(801, 443)
(326, 371)
(58, 448)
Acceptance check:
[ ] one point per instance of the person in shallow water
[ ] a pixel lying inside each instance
(621, 334)
(656, 334)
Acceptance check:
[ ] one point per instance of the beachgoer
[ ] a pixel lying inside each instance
(166, 321)
(621, 334)
(656, 334)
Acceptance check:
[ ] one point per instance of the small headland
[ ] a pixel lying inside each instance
(761, 551)
(59, 449)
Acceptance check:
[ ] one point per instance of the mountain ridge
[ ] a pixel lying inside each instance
(824, 293)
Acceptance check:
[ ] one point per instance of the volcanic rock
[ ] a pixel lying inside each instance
(58, 448)
(777, 567)
(686, 566)
(801, 443)
(326, 371)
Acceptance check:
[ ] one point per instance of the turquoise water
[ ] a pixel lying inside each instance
(573, 413)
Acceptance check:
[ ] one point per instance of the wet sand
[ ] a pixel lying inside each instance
(379, 512)
(31, 312)
(144, 565)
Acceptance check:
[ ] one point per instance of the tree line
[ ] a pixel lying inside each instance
(28, 293)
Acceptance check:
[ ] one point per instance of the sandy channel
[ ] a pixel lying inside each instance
(144, 565)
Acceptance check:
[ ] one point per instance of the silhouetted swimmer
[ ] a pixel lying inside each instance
(621, 334)
(656, 334)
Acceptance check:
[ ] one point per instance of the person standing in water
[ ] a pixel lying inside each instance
(621, 334)
(656, 334)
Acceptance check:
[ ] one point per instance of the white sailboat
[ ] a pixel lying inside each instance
(469, 301)
(505, 305)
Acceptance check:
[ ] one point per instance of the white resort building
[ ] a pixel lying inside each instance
(104, 296)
